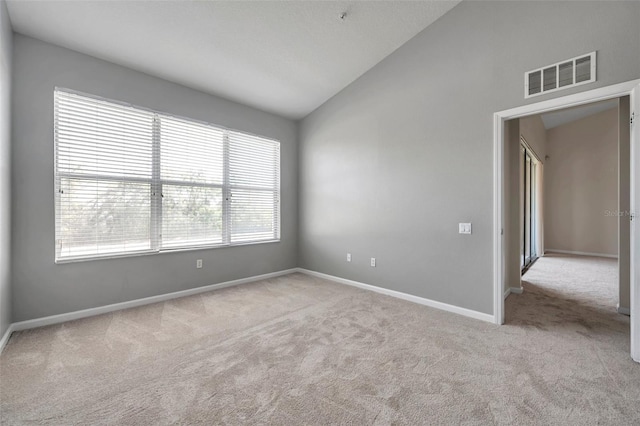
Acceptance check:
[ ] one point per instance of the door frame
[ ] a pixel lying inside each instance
(533, 202)
(499, 118)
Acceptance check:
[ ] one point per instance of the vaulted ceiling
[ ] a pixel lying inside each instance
(286, 57)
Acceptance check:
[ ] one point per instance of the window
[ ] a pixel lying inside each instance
(129, 181)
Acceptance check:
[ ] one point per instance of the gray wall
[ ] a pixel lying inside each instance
(6, 37)
(390, 165)
(40, 287)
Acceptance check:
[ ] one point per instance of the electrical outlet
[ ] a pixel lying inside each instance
(348, 257)
(373, 262)
(199, 263)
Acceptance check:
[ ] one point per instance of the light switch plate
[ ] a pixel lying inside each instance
(464, 228)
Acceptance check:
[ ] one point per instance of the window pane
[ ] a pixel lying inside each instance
(253, 161)
(103, 166)
(191, 216)
(253, 215)
(190, 152)
(94, 137)
(102, 217)
(254, 179)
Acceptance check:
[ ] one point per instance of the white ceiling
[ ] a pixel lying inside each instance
(564, 116)
(286, 57)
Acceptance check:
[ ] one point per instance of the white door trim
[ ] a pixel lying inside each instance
(634, 206)
(600, 94)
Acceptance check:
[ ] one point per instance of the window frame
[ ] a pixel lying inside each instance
(156, 184)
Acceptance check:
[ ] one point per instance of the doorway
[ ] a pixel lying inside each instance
(584, 157)
(631, 89)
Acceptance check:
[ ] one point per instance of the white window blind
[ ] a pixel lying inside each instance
(103, 176)
(129, 181)
(192, 177)
(254, 185)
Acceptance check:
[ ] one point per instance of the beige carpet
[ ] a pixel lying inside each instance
(300, 350)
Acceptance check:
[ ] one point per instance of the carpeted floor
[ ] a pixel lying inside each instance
(300, 350)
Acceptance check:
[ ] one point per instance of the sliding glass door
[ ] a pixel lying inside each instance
(528, 252)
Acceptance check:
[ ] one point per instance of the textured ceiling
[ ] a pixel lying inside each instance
(564, 116)
(286, 57)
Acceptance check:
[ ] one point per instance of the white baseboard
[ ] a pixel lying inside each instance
(70, 316)
(581, 253)
(5, 338)
(411, 298)
(513, 290)
(623, 311)
(56, 319)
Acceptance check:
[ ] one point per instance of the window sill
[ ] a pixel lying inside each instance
(158, 252)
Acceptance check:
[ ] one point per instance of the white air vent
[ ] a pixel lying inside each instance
(565, 74)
